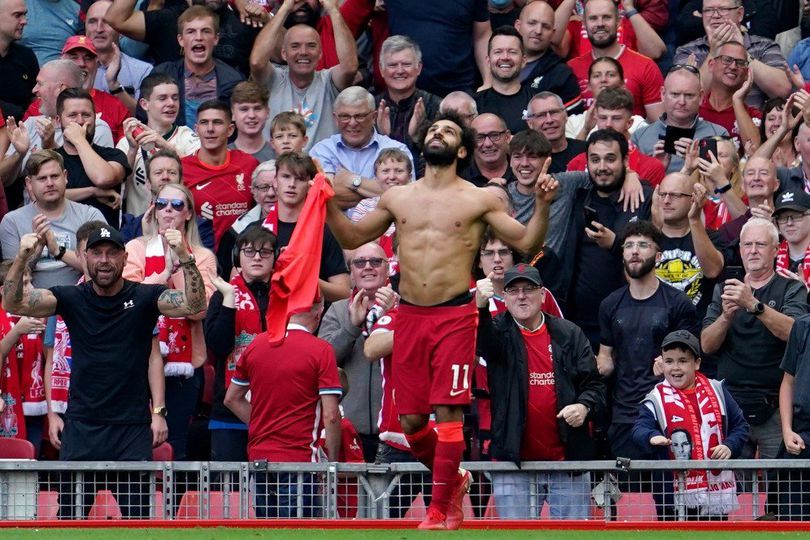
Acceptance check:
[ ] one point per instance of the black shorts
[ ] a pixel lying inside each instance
(89, 441)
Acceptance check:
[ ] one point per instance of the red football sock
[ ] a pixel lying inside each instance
(449, 449)
(423, 445)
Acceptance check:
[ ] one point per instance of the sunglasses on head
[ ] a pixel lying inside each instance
(177, 204)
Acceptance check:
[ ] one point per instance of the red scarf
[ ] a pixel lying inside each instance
(783, 261)
(174, 334)
(22, 380)
(271, 221)
(248, 324)
(295, 279)
(714, 492)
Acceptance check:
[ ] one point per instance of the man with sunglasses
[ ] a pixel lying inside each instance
(652, 309)
(551, 357)
(724, 101)
(349, 155)
(346, 325)
(723, 22)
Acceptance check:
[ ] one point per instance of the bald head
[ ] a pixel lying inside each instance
(536, 26)
(462, 104)
(65, 72)
(485, 121)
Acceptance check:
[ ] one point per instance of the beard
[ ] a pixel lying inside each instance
(303, 15)
(108, 280)
(646, 267)
(616, 185)
(603, 43)
(439, 156)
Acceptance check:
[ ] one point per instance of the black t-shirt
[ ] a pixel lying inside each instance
(332, 261)
(235, 38)
(473, 174)
(679, 266)
(111, 337)
(509, 108)
(77, 178)
(19, 69)
(635, 330)
(749, 357)
(560, 160)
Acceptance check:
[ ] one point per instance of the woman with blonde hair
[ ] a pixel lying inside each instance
(182, 343)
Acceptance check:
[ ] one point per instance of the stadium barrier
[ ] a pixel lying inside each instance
(607, 491)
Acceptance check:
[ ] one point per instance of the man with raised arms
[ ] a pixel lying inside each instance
(435, 330)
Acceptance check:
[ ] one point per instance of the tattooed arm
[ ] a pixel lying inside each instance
(174, 303)
(17, 298)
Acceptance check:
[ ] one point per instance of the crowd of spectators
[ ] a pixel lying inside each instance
(677, 131)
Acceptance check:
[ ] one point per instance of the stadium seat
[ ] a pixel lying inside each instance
(636, 507)
(16, 449)
(47, 505)
(164, 452)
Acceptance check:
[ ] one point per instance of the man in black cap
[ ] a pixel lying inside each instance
(544, 386)
(790, 215)
(116, 409)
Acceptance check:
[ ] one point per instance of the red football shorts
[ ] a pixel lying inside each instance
(433, 357)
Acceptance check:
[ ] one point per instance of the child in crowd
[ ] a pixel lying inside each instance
(691, 417)
(22, 387)
(288, 133)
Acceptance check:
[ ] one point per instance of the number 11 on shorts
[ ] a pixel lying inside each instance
(465, 378)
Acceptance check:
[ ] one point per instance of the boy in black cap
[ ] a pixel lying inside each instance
(790, 215)
(681, 415)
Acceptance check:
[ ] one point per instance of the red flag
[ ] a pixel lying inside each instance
(295, 278)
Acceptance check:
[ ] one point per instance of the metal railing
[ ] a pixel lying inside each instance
(595, 490)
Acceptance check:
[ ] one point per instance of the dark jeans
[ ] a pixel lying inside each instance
(794, 485)
(409, 485)
(182, 398)
(229, 444)
(277, 495)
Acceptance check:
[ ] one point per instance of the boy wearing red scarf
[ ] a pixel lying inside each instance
(688, 416)
(22, 389)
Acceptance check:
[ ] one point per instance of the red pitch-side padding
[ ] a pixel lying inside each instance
(475, 524)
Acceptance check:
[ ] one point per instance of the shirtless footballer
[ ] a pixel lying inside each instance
(440, 220)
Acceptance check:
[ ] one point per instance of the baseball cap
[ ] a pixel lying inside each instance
(682, 337)
(522, 271)
(79, 42)
(105, 234)
(794, 199)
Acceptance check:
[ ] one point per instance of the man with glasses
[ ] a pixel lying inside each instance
(633, 321)
(724, 101)
(723, 22)
(551, 357)
(682, 95)
(506, 97)
(346, 325)
(546, 114)
(747, 327)
(689, 261)
(348, 157)
(793, 259)
(491, 156)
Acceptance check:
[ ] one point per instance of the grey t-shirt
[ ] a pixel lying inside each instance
(48, 272)
(647, 136)
(265, 153)
(523, 204)
(315, 102)
(559, 219)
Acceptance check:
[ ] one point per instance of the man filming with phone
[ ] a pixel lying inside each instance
(746, 327)
(669, 137)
